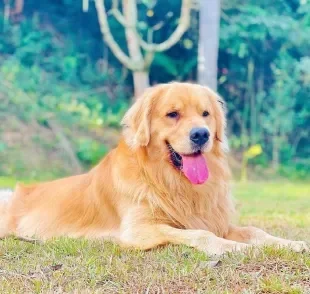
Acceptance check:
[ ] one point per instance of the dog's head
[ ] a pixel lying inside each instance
(181, 120)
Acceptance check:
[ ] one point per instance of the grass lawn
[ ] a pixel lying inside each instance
(81, 266)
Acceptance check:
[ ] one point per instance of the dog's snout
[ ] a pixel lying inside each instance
(199, 136)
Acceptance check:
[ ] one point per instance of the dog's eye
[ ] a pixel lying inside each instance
(173, 114)
(205, 113)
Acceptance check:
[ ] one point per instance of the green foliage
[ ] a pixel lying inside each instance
(296, 170)
(179, 69)
(54, 65)
(90, 151)
(264, 76)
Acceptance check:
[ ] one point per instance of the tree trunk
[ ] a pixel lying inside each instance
(141, 53)
(6, 14)
(19, 7)
(140, 77)
(141, 82)
(253, 104)
(275, 153)
(209, 23)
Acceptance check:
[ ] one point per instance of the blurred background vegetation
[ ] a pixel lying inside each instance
(63, 91)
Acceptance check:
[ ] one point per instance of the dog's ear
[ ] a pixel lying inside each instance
(220, 116)
(219, 107)
(137, 121)
(223, 104)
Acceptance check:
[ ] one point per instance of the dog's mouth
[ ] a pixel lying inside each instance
(193, 166)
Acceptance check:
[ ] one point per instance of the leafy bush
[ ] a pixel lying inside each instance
(90, 151)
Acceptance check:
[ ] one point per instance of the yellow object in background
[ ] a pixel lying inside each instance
(252, 152)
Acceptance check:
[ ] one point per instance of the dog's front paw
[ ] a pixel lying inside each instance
(235, 247)
(225, 247)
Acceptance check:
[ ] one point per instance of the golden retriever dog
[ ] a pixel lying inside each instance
(166, 182)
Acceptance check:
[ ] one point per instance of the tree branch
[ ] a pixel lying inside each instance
(6, 13)
(148, 59)
(18, 7)
(182, 27)
(132, 37)
(107, 35)
(85, 5)
(117, 14)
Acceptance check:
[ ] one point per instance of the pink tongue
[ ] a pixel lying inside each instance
(195, 168)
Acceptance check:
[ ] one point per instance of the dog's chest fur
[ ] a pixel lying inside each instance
(171, 198)
(208, 207)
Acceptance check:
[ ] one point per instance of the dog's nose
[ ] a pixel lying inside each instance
(199, 136)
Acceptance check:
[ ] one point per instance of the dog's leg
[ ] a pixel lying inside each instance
(149, 236)
(252, 235)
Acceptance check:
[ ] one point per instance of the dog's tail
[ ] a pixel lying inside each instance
(3, 208)
(5, 198)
